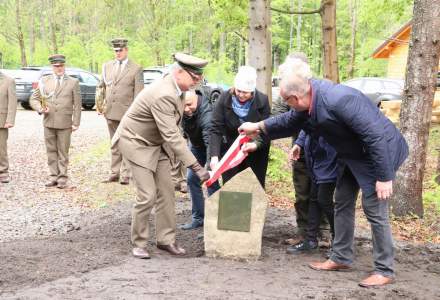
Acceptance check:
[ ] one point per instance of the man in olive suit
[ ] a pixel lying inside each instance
(149, 138)
(58, 98)
(8, 109)
(123, 81)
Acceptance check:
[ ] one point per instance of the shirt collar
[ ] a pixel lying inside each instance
(312, 94)
(124, 62)
(56, 76)
(179, 91)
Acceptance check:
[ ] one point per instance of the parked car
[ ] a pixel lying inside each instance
(27, 78)
(211, 89)
(378, 89)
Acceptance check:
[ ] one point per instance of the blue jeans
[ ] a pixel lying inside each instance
(195, 188)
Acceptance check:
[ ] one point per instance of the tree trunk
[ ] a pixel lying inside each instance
(32, 40)
(20, 34)
(298, 28)
(53, 35)
(260, 49)
(353, 11)
(415, 115)
(328, 15)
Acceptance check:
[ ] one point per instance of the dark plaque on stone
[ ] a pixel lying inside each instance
(234, 211)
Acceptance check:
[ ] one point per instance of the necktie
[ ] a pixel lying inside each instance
(57, 86)
(118, 72)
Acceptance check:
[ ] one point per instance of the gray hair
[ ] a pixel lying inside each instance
(295, 74)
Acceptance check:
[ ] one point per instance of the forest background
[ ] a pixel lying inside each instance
(215, 29)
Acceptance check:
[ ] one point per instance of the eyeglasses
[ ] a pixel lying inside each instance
(194, 77)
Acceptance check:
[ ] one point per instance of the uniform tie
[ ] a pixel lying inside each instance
(118, 72)
(58, 84)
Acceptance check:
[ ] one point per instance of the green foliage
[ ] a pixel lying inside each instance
(277, 169)
(432, 196)
(216, 29)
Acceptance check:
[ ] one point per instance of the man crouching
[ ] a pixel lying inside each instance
(148, 137)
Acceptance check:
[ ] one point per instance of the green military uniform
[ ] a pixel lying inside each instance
(8, 109)
(61, 95)
(123, 81)
(149, 138)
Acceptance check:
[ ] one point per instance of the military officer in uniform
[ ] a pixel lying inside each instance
(58, 98)
(8, 109)
(149, 138)
(123, 81)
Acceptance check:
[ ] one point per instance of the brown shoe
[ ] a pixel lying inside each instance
(172, 249)
(125, 181)
(328, 265)
(5, 179)
(112, 178)
(61, 184)
(375, 280)
(140, 253)
(51, 183)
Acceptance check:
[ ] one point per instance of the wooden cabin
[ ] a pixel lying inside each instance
(395, 50)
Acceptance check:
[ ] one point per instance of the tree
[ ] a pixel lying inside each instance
(415, 114)
(260, 48)
(327, 11)
(20, 37)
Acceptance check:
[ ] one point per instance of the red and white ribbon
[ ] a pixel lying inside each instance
(233, 157)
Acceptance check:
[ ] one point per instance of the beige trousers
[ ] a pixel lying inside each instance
(119, 166)
(57, 148)
(4, 164)
(153, 189)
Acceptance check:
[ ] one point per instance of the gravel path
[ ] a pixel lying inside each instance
(27, 207)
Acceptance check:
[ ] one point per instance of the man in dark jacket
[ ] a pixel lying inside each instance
(196, 124)
(370, 150)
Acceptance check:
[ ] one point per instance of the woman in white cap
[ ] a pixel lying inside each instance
(242, 103)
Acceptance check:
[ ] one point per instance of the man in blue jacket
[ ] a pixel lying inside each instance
(370, 150)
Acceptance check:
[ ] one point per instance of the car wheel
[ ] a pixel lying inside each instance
(26, 105)
(88, 106)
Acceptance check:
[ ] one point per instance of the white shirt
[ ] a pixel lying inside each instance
(124, 63)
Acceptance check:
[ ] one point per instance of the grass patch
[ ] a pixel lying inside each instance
(279, 186)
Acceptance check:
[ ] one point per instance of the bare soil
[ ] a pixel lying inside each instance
(91, 258)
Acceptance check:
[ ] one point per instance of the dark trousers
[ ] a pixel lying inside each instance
(257, 161)
(375, 210)
(195, 188)
(321, 203)
(301, 184)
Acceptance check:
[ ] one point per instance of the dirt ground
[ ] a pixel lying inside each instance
(92, 259)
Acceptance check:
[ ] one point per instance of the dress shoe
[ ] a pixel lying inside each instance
(5, 179)
(140, 253)
(190, 226)
(61, 184)
(124, 180)
(328, 265)
(172, 249)
(51, 183)
(375, 280)
(303, 247)
(112, 178)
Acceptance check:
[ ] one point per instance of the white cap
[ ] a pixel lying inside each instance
(246, 79)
